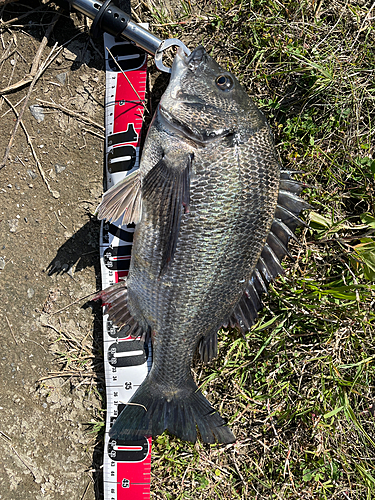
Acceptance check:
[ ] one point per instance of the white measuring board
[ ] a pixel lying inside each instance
(127, 464)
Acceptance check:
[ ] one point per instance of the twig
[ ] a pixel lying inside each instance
(9, 52)
(75, 302)
(70, 112)
(55, 194)
(4, 2)
(24, 463)
(86, 130)
(238, 470)
(134, 404)
(86, 489)
(366, 18)
(15, 19)
(69, 374)
(37, 343)
(57, 217)
(69, 337)
(271, 419)
(5, 436)
(42, 68)
(10, 328)
(36, 69)
(14, 106)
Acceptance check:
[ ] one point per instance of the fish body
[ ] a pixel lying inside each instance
(204, 200)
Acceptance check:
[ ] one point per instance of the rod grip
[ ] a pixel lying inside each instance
(110, 19)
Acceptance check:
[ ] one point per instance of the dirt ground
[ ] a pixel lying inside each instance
(49, 260)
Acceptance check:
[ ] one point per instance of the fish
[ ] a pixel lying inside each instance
(214, 213)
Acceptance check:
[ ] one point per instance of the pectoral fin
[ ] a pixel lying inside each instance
(167, 188)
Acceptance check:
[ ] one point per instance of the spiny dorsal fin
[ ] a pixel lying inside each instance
(275, 249)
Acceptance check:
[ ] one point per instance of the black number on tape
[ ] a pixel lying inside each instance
(127, 353)
(118, 258)
(115, 332)
(125, 235)
(121, 159)
(123, 137)
(127, 56)
(125, 483)
(128, 451)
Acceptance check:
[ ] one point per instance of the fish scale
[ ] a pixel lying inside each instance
(205, 199)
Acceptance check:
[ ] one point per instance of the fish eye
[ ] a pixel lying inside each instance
(224, 82)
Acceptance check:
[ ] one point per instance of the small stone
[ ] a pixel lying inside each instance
(59, 168)
(32, 174)
(68, 54)
(30, 293)
(37, 112)
(55, 194)
(62, 78)
(2, 263)
(31, 186)
(13, 225)
(9, 186)
(12, 62)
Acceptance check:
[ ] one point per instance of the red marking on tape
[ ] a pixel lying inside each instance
(129, 107)
(133, 481)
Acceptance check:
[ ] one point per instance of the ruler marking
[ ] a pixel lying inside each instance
(126, 466)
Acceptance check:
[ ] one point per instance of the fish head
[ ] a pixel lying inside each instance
(205, 102)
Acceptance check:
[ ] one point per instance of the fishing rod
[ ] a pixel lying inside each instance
(109, 18)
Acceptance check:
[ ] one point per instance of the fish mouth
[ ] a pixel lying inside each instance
(195, 58)
(182, 61)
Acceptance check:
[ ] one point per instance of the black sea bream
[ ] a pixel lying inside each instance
(214, 215)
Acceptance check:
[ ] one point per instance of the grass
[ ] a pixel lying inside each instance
(298, 390)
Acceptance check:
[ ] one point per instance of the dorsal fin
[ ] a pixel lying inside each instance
(208, 347)
(275, 249)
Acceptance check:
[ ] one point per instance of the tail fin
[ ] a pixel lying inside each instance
(152, 410)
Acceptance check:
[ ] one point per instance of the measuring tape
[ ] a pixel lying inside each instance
(127, 464)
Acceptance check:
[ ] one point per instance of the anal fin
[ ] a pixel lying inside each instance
(115, 302)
